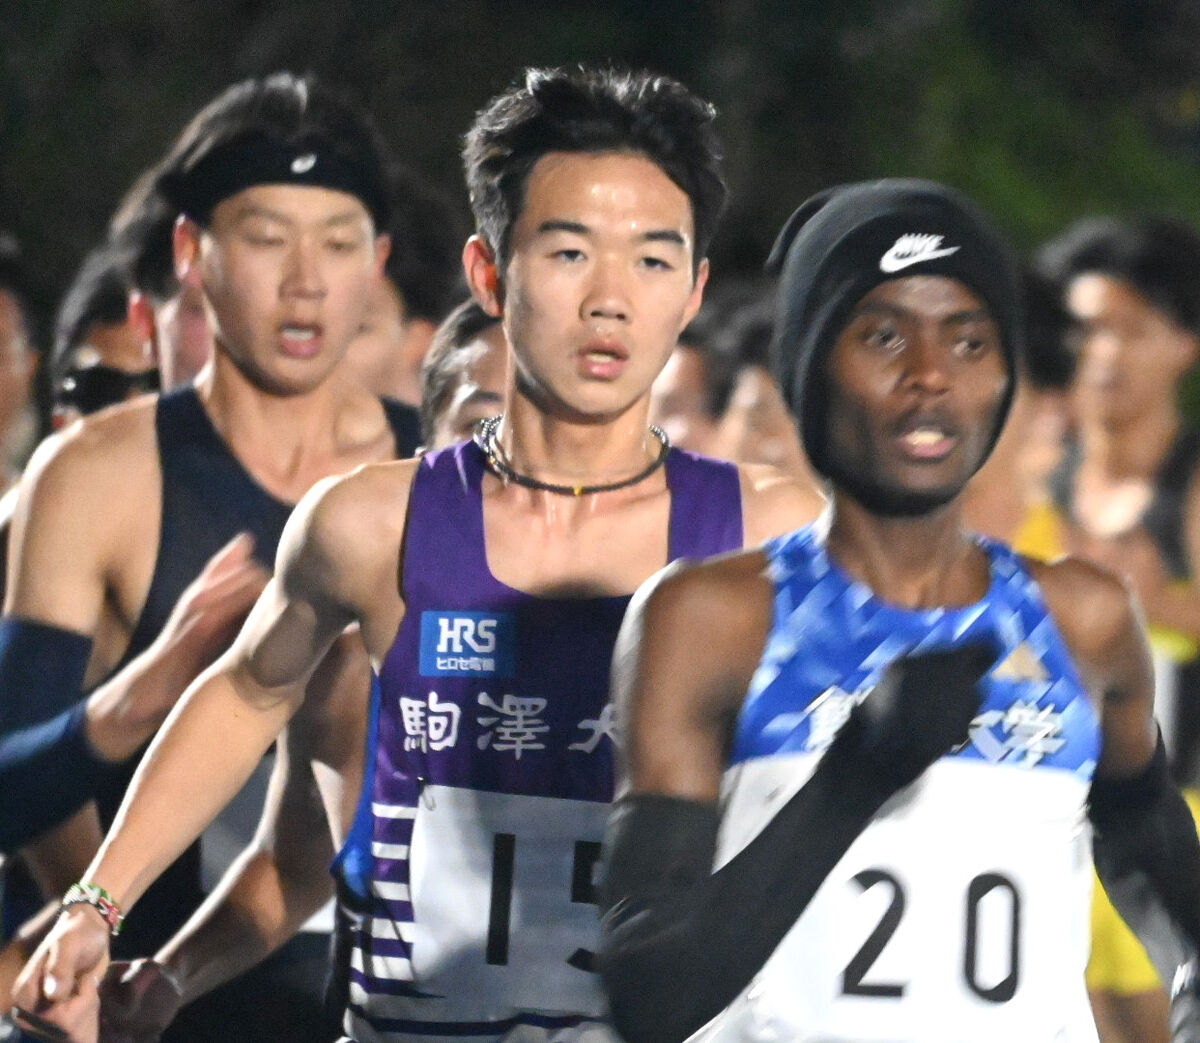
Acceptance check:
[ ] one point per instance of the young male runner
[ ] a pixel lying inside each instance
(282, 185)
(488, 581)
(902, 719)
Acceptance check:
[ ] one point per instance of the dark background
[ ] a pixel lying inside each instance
(1043, 110)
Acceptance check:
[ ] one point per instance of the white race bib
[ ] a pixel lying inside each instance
(503, 894)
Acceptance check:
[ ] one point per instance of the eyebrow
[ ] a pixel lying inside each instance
(656, 235)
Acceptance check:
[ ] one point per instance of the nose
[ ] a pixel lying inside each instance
(303, 275)
(607, 295)
(926, 364)
(1100, 347)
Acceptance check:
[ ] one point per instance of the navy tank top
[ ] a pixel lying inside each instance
(208, 497)
(489, 775)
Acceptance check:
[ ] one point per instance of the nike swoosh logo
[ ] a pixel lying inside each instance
(893, 262)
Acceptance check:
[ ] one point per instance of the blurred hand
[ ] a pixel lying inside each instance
(138, 1000)
(1133, 556)
(56, 996)
(124, 713)
(922, 708)
(212, 609)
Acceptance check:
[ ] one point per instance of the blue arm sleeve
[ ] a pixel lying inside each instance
(47, 772)
(41, 671)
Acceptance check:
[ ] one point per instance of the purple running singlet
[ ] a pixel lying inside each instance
(489, 776)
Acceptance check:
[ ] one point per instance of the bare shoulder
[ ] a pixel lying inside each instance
(701, 624)
(85, 507)
(695, 593)
(685, 657)
(345, 534)
(774, 503)
(371, 501)
(1092, 608)
(116, 445)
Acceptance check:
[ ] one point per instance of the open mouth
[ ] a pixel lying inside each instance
(603, 361)
(927, 440)
(300, 340)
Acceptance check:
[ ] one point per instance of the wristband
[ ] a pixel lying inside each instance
(100, 900)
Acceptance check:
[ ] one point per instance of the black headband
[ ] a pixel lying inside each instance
(844, 242)
(259, 160)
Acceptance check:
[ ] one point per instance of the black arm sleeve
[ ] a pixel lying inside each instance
(681, 942)
(47, 772)
(1148, 858)
(41, 671)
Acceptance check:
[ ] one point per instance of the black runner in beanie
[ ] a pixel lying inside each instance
(845, 241)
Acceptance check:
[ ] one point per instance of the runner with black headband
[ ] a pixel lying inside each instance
(281, 185)
(906, 724)
(489, 580)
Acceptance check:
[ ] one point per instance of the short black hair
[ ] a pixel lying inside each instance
(1158, 256)
(281, 111)
(591, 110)
(1046, 360)
(440, 370)
(425, 262)
(142, 228)
(98, 295)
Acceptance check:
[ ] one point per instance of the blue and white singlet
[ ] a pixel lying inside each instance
(960, 915)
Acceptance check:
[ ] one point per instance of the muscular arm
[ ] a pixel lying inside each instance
(1146, 850)
(680, 940)
(283, 876)
(225, 722)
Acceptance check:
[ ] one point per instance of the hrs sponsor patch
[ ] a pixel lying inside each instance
(468, 644)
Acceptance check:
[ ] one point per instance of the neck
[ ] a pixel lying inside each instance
(916, 563)
(566, 452)
(279, 438)
(1129, 449)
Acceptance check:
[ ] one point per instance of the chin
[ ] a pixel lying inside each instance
(894, 500)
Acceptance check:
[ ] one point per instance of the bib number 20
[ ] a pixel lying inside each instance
(854, 976)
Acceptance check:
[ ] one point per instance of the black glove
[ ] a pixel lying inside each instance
(921, 709)
(1185, 1004)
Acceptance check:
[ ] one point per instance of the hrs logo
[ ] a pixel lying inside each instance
(468, 644)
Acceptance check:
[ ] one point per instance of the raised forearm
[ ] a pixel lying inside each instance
(124, 713)
(253, 912)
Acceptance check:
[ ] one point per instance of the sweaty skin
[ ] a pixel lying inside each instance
(286, 270)
(599, 283)
(916, 378)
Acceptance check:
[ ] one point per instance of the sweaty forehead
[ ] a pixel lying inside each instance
(604, 191)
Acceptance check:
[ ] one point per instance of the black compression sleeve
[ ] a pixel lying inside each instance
(1148, 857)
(681, 942)
(41, 671)
(47, 772)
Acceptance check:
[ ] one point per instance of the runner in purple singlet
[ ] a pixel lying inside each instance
(488, 580)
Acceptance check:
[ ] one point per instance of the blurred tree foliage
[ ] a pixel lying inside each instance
(1044, 111)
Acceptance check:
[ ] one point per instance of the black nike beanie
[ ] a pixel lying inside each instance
(845, 241)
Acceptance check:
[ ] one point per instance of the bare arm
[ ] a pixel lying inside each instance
(1102, 627)
(283, 877)
(220, 729)
(1145, 845)
(682, 940)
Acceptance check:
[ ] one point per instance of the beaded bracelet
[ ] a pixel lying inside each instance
(100, 900)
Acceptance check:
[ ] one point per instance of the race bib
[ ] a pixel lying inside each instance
(503, 895)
